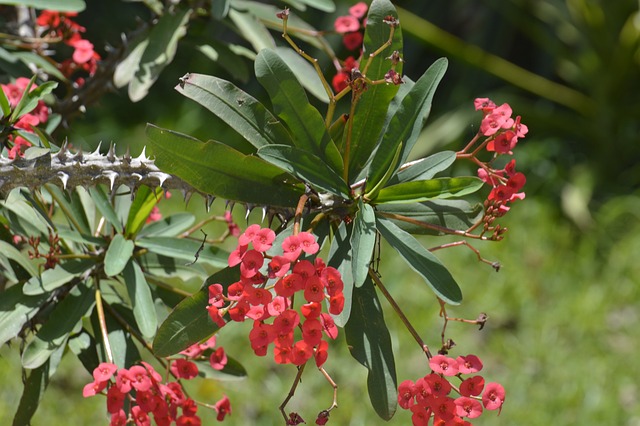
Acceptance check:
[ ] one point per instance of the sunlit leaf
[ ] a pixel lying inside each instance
(60, 5)
(252, 29)
(370, 344)
(143, 203)
(363, 241)
(62, 274)
(16, 309)
(144, 309)
(185, 249)
(103, 204)
(118, 254)
(425, 168)
(232, 371)
(423, 190)
(168, 226)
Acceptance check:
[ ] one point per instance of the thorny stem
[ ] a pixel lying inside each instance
(398, 310)
(439, 228)
(103, 322)
(494, 265)
(292, 391)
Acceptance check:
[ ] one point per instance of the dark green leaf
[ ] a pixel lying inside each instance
(304, 72)
(220, 8)
(305, 166)
(125, 351)
(369, 116)
(32, 394)
(29, 99)
(370, 344)
(59, 5)
(83, 345)
(230, 57)
(142, 205)
(144, 309)
(60, 275)
(190, 322)
(184, 249)
(340, 257)
(422, 261)
(423, 190)
(407, 123)
(105, 207)
(363, 241)
(235, 107)
(5, 106)
(163, 43)
(441, 214)
(72, 208)
(425, 168)
(216, 169)
(61, 322)
(118, 254)
(16, 309)
(168, 226)
(291, 104)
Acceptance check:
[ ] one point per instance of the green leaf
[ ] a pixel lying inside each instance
(230, 57)
(104, 206)
(423, 190)
(118, 254)
(166, 266)
(62, 274)
(232, 371)
(441, 214)
(14, 254)
(340, 257)
(363, 240)
(125, 351)
(16, 309)
(83, 345)
(126, 69)
(144, 309)
(407, 123)
(422, 261)
(252, 29)
(24, 219)
(42, 63)
(29, 99)
(61, 322)
(220, 8)
(168, 226)
(5, 106)
(305, 166)
(163, 43)
(189, 322)
(143, 203)
(72, 208)
(425, 168)
(323, 5)
(185, 249)
(32, 394)
(216, 169)
(59, 5)
(370, 344)
(291, 104)
(304, 72)
(370, 112)
(235, 107)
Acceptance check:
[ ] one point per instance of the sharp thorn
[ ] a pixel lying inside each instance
(111, 155)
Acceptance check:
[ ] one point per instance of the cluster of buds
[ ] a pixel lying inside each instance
(146, 393)
(59, 25)
(501, 133)
(51, 257)
(429, 396)
(39, 115)
(265, 294)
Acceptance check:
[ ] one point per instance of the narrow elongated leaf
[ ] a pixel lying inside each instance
(220, 8)
(232, 371)
(72, 208)
(163, 43)
(118, 254)
(423, 190)
(186, 250)
(370, 344)
(59, 325)
(407, 123)
(144, 309)
(189, 322)
(83, 345)
(29, 99)
(305, 166)
(16, 309)
(126, 70)
(305, 72)
(104, 206)
(125, 351)
(425, 168)
(62, 274)
(14, 254)
(363, 240)
(422, 261)
(5, 106)
(235, 107)
(371, 109)
(252, 29)
(323, 5)
(291, 104)
(59, 5)
(216, 169)
(340, 257)
(143, 203)
(23, 218)
(168, 226)
(32, 394)
(437, 215)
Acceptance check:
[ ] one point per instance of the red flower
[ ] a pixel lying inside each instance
(118, 419)
(104, 371)
(301, 352)
(340, 81)
(140, 418)
(469, 364)
(346, 24)
(115, 400)
(321, 353)
(444, 365)
(188, 421)
(223, 407)
(358, 10)
(468, 407)
(313, 289)
(493, 396)
(251, 263)
(472, 386)
(436, 386)
(405, 394)
(353, 40)
(312, 331)
(184, 369)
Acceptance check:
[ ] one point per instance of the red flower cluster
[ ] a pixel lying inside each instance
(502, 133)
(350, 25)
(341, 80)
(428, 397)
(39, 115)
(59, 25)
(143, 387)
(265, 292)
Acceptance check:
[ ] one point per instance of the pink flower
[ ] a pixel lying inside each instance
(346, 24)
(218, 359)
(493, 396)
(405, 394)
(469, 364)
(83, 51)
(248, 235)
(93, 388)
(472, 386)
(468, 407)
(308, 243)
(184, 369)
(104, 371)
(444, 365)
(140, 418)
(223, 407)
(263, 239)
(291, 247)
(139, 378)
(358, 10)
(484, 104)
